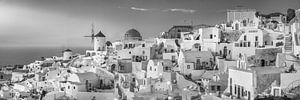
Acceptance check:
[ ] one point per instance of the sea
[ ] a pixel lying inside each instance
(26, 55)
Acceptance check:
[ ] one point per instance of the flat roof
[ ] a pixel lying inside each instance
(241, 10)
(261, 70)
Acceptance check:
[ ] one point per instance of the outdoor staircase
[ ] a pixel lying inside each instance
(288, 47)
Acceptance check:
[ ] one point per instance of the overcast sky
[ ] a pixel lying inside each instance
(65, 22)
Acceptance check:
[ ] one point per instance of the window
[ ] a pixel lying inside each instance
(122, 68)
(211, 36)
(130, 45)
(249, 44)
(172, 50)
(150, 68)
(68, 87)
(266, 42)
(143, 52)
(218, 88)
(256, 38)
(199, 48)
(213, 88)
(230, 84)
(271, 42)
(188, 66)
(74, 87)
(256, 44)
(143, 45)
(126, 46)
(173, 58)
(245, 38)
(235, 89)
(1, 77)
(129, 52)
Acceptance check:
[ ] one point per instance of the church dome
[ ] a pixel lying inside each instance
(133, 34)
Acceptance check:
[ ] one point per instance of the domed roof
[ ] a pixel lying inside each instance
(132, 33)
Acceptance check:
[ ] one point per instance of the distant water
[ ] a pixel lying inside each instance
(26, 55)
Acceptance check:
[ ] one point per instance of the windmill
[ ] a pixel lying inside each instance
(92, 34)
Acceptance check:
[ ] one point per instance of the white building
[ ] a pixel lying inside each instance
(246, 16)
(210, 37)
(67, 54)
(155, 68)
(195, 62)
(246, 82)
(247, 43)
(99, 42)
(99, 45)
(295, 32)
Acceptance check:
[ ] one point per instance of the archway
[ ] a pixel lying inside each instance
(88, 54)
(225, 52)
(113, 67)
(262, 62)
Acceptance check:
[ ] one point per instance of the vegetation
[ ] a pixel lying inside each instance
(276, 14)
(290, 15)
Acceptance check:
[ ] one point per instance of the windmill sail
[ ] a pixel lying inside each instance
(92, 34)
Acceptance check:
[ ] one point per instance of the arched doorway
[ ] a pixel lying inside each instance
(113, 67)
(88, 54)
(101, 84)
(225, 52)
(262, 62)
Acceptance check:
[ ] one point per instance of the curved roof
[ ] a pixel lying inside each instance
(132, 33)
(99, 34)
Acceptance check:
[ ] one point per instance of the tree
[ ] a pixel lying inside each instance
(290, 15)
(108, 43)
(258, 13)
(177, 43)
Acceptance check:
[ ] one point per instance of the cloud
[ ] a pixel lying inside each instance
(139, 9)
(181, 10)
